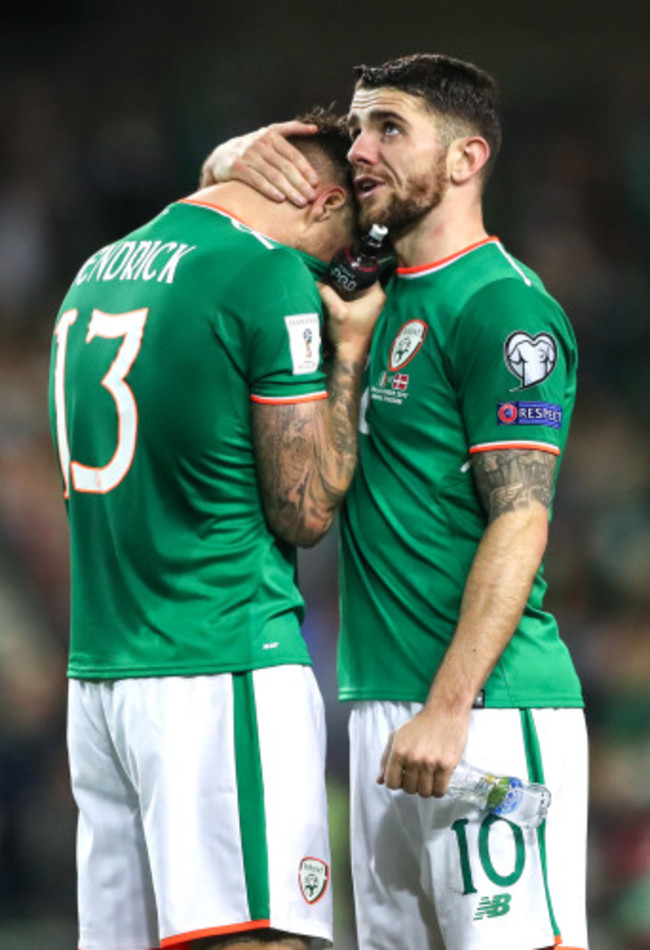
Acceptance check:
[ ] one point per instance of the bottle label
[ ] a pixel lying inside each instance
(345, 280)
(505, 796)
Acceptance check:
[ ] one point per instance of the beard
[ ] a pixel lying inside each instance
(423, 193)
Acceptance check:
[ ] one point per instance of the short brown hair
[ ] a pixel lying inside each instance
(332, 141)
(458, 91)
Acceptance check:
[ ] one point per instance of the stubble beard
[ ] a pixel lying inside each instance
(401, 213)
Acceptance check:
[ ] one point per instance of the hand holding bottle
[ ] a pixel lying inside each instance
(524, 803)
(353, 270)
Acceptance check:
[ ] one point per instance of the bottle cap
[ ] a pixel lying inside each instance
(378, 232)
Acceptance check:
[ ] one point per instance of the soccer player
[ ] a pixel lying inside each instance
(197, 448)
(445, 648)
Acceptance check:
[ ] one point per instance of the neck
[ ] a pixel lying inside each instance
(279, 221)
(443, 231)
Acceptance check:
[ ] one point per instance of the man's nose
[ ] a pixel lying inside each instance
(363, 150)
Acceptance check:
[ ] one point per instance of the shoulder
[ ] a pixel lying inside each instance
(279, 266)
(513, 298)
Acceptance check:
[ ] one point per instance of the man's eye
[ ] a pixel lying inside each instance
(391, 129)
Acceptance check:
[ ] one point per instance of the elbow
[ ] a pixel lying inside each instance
(310, 536)
(302, 532)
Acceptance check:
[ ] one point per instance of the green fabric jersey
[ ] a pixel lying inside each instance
(161, 343)
(470, 354)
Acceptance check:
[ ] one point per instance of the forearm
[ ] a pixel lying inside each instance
(307, 454)
(496, 593)
(515, 487)
(421, 756)
(339, 461)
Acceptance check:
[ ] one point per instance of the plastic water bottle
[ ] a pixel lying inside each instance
(354, 269)
(524, 803)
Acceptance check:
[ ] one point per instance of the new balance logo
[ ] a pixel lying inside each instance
(493, 906)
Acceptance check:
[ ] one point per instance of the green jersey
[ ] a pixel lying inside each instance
(161, 343)
(470, 354)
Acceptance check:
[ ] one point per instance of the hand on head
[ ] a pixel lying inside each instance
(266, 161)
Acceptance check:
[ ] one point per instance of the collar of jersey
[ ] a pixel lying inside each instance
(226, 214)
(423, 269)
(316, 266)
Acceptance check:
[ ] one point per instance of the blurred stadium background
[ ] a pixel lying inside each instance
(106, 113)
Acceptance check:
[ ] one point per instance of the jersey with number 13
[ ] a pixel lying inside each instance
(161, 343)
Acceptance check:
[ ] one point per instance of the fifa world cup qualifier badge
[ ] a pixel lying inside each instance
(313, 878)
(303, 330)
(531, 359)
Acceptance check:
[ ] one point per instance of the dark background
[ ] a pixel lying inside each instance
(106, 114)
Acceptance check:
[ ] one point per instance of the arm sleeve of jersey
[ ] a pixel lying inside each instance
(513, 359)
(274, 323)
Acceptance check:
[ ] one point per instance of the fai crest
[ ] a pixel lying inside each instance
(531, 359)
(406, 344)
(313, 878)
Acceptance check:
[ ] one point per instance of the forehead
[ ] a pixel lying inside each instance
(368, 102)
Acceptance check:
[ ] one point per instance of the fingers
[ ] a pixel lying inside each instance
(286, 171)
(335, 307)
(384, 759)
(267, 162)
(264, 181)
(368, 305)
(207, 176)
(411, 777)
(408, 764)
(375, 297)
(294, 127)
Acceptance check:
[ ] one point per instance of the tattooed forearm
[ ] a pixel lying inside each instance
(345, 391)
(306, 454)
(509, 479)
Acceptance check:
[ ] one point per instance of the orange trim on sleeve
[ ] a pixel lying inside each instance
(288, 400)
(495, 446)
(179, 942)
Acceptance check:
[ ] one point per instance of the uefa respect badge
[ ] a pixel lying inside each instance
(547, 414)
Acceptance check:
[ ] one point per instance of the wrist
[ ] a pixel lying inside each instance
(451, 699)
(354, 351)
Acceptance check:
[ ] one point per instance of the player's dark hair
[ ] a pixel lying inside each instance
(458, 91)
(331, 140)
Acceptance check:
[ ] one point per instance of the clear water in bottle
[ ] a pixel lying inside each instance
(525, 803)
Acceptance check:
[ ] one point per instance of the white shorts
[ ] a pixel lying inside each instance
(433, 873)
(202, 808)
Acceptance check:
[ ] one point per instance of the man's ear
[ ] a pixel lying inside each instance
(328, 201)
(466, 157)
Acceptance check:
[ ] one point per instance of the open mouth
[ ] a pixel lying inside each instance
(366, 186)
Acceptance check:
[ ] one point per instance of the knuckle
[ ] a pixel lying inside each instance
(238, 165)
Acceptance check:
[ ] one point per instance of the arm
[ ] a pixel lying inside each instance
(266, 161)
(515, 487)
(307, 452)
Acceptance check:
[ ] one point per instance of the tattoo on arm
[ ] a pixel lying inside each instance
(283, 452)
(306, 454)
(509, 479)
(345, 392)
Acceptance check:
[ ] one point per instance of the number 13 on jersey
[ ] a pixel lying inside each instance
(110, 326)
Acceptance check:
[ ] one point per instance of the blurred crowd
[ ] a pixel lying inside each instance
(571, 197)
